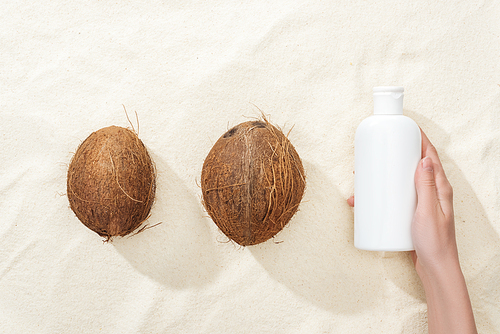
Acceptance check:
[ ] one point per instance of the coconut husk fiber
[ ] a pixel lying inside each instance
(111, 182)
(252, 182)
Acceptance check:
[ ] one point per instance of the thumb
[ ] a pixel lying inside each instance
(425, 184)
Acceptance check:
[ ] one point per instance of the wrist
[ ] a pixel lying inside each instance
(448, 305)
(438, 265)
(440, 275)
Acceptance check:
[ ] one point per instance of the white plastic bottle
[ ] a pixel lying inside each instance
(387, 152)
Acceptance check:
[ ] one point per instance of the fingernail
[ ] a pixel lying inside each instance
(427, 164)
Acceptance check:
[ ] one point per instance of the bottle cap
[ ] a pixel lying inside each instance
(388, 100)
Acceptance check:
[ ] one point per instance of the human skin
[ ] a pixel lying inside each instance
(435, 256)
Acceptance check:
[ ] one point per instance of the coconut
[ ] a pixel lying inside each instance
(252, 182)
(111, 182)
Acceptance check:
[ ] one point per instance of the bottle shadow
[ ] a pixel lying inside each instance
(180, 251)
(314, 255)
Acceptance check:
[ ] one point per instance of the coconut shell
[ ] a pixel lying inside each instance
(252, 182)
(111, 182)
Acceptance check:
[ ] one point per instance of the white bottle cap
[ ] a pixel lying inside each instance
(388, 100)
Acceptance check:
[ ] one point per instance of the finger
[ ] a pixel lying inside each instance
(414, 257)
(428, 150)
(425, 183)
(350, 201)
(443, 187)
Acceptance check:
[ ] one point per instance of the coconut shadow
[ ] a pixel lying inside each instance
(179, 252)
(315, 257)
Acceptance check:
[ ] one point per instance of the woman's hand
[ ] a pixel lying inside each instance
(436, 255)
(433, 227)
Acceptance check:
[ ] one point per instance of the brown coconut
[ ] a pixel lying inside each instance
(111, 182)
(252, 182)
